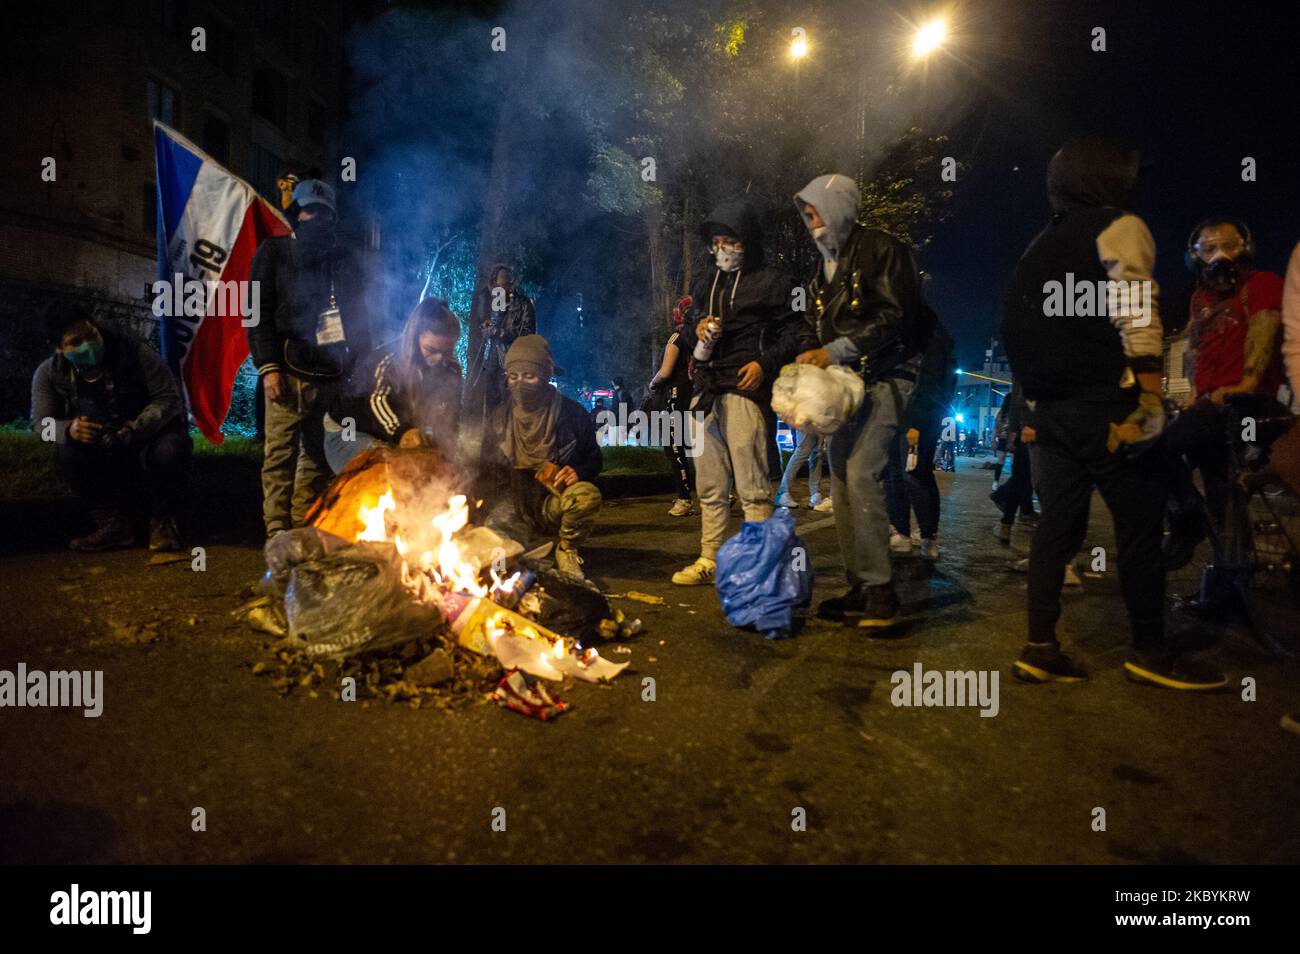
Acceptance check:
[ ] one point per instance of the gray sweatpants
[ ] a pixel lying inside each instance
(859, 453)
(732, 447)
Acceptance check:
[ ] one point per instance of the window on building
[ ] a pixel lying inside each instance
(222, 46)
(271, 96)
(163, 103)
(149, 209)
(316, 123)
(266, 166)
(216, 138)
(322, 48)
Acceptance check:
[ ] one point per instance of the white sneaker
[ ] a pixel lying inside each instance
(681, 508)
(899, 543)
(916, 536)
(699, 573)
(1072, 576)
(786, 501)
(569, 565)
(929, 548)
(825, 505)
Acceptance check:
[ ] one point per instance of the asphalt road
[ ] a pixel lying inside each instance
(741, 735)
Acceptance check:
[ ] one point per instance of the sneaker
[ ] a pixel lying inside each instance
(881, 607)
(681, 508)
(844, 607)
(163, 535)
(699, 573)
(916, 536)
(1003, 533)
(898, 542)
(112, 532)
(569, 565)
(929, 548)
(1044, 662)
(1072, 576)
(1291, 722)
(1173, 671)
(825, 505)
(786, 501)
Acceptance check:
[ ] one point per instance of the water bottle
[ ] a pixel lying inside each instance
(704, 347)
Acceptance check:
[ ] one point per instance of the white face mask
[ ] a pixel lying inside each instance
(822, 236)
(728, 260)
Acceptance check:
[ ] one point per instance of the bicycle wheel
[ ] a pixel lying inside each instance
(1271, 530)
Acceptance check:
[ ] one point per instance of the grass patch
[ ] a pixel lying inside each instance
(626, 461)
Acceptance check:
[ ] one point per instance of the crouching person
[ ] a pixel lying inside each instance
(547, 443)
(116, 416)
(404, 393)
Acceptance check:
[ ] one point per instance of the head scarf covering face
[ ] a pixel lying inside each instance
(529, 439)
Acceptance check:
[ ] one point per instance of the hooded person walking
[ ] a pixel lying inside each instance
(867, 314)
(744, 309)
(1091, 379)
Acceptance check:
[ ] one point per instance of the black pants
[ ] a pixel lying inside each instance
(914, 490)
(683, 466)
(109, 478)
(1198, 440)
(1018, 492)
(1070, 459)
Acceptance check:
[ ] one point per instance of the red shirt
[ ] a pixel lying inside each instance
(1218, 332)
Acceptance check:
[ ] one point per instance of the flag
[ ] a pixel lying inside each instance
(210, 223)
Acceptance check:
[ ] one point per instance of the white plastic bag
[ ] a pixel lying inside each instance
(815, 399)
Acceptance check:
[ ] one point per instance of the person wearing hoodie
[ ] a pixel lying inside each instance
(869, 315)
(315, 324)
(750, 301)
(1091, 377)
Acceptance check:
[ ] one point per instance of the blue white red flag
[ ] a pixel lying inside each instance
(210, 223)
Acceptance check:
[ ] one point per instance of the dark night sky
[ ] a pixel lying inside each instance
(1196, 86)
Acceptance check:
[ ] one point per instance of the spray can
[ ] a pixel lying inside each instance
(704, 347)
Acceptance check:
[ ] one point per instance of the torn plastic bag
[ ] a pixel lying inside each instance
(353, 601)
(568, 608)
(764, 575)
(819, 400)
(286, 550)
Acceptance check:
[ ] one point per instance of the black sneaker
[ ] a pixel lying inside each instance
(880, 607)
(1003, 533)
(1044, 662)
(847, 606)
(112, 532)
(1173, 671)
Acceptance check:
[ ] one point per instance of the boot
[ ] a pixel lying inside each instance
(112, 532)
(163, 535)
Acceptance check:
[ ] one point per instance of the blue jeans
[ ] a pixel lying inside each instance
(338, 451)
(811, 448)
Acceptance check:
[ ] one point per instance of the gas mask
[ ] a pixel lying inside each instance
(1220, 275)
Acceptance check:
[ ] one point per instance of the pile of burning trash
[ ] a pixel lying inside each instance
(388, 582)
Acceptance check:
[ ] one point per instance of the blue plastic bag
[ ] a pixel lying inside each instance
(764, 575)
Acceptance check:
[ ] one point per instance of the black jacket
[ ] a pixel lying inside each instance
(294, 288)
(874, 299)
(374, 397)
(754, 304)
(143, 392)
(936, 380)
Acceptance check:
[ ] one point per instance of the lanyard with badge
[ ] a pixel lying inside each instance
(329, 323)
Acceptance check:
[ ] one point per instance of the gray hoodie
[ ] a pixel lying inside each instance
(835, 197)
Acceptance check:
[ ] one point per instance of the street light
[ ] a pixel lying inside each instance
(929, 37)
(799, 47)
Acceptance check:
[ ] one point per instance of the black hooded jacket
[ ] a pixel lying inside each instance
(753, 303)
(1090, 239)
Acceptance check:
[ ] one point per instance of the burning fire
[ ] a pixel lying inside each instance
(441, 569)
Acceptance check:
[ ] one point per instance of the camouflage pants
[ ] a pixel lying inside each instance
(573, 512)
(294, 470)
